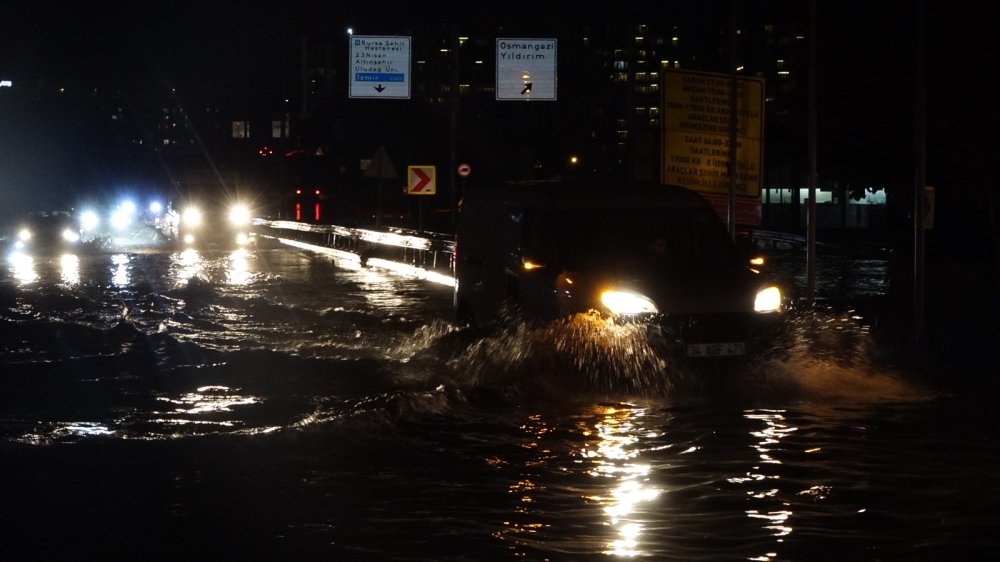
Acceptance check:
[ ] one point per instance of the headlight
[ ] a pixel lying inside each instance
(768, 300)
(121, 218)
(239, 215)
(191, 217)
(24, 235)
(623, 302)
(89, 220)
(71, 235)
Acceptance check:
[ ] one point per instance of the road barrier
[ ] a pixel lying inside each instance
(424, 255)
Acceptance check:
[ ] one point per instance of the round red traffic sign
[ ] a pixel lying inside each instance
(464, 170)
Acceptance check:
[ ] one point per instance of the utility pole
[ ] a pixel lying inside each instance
(453, 122)
(811, 210)
(305, 78)
(733, 118)
(919, 201)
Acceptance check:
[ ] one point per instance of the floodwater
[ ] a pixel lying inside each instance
(269, 404)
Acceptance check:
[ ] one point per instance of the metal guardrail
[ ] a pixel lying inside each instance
(426, 255)
(873, 248)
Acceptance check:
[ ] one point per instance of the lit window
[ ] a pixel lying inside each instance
(279, 129)
(241, 129)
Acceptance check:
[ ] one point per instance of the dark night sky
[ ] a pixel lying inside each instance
(865, 53)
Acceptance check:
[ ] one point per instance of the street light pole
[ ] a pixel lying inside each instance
(733, 119)
(919, 200)
(453, 122)
(811, 209)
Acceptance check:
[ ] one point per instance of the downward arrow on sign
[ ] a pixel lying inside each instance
(422, 180)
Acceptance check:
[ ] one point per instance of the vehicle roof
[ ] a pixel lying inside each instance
(603, 194)
(50, 214)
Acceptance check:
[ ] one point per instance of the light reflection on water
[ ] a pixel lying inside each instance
(770, 436)
(380, 287)
(69, 269)
(188, 265)
(206, 400)
(238, 272)
(616, 459)
(120, 270)
(23, 268)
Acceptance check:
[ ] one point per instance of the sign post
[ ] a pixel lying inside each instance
(379, 167)
(463, 171)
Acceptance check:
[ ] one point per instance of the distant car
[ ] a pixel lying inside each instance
(648, 253)
(198, 225)
(45, 232)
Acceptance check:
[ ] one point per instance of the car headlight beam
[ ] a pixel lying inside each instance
(70, 235)
(768, 300)
(191, 217)
(239, 215)
(625, 302)
(89, 220)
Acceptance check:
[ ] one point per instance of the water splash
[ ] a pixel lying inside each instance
(830, 355)
(822, 356)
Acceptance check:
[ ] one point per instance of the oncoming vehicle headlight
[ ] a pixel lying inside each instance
(71, 235)
(24, 235)
(239, 215)
(768, 300)
(191, 217)
(624, 302)
(89, 220)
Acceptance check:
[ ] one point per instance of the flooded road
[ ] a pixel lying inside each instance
(268, 404)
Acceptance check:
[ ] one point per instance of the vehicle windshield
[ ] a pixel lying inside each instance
(610, 237)
(50, 217)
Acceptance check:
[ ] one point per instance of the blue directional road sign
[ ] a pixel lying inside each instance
(380, 67)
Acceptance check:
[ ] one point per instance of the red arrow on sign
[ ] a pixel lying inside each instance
(422, 180)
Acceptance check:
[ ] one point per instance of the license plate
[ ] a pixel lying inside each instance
(723, 349)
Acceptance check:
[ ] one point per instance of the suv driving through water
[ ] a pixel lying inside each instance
(647, 253)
